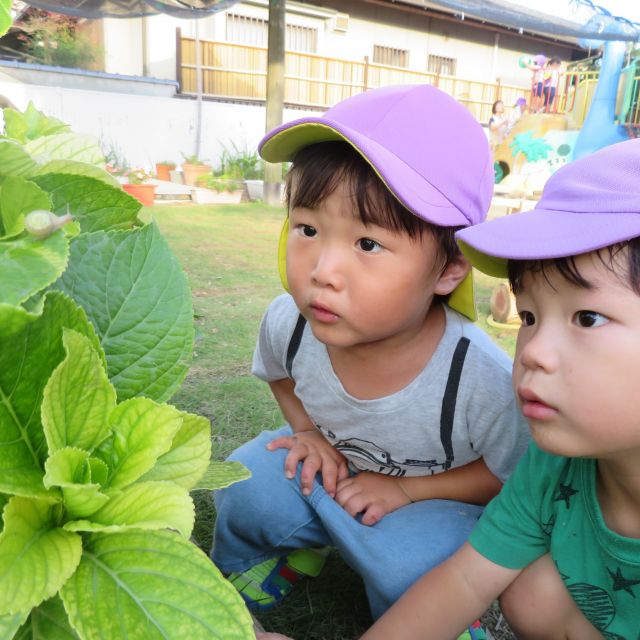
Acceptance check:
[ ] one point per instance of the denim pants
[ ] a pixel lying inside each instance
(267, 516)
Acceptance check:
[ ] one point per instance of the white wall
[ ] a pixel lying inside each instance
(146, 129)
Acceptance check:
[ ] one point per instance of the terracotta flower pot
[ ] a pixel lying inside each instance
(144, 193)
(191, 172)
(162, 171)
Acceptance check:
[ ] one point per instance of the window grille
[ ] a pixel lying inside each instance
(390, 56)
(255, 32)
(441, 65)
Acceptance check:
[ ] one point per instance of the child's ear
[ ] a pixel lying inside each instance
(452, 275)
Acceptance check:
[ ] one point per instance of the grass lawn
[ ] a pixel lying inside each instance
(229, 256)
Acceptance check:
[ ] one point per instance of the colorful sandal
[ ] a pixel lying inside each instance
(264, 585)
(474, 632)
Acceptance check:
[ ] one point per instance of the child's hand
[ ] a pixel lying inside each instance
(317, 455)
(271, 636)
(372, 494)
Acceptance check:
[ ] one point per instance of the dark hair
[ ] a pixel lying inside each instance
(610, 257)
(554, 60)
(318, 170)
(494, 105)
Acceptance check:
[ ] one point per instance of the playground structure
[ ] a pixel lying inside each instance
(598, 104)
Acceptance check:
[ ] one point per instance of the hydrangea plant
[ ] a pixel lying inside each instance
(96, 333)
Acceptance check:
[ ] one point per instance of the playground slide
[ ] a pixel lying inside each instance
(599, 128)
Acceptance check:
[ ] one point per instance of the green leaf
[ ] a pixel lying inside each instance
(48, 621)
(147, 505)
(30, 124)
(66, 146)
(188, 458)
(136, 295)
(78, 398)
(71, 470)
(29, 353)
(165, 587)
(96, 205)
(79, 169)
(5, 16)
(9, 625)
(36, 557)
(15, 161)
(17, 198)
(222, 474)
(142, 431)
(28, 265)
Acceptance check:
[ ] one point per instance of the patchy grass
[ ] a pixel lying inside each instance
(229, 255)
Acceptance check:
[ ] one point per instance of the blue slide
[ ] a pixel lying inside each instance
(599, 128)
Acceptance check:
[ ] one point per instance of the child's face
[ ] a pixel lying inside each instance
(358, 284)
(577, 362)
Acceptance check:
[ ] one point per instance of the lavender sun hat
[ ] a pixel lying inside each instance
(588, 204)
(429, 151)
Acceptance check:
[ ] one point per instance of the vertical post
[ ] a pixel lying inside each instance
(145, 46)
(275, 93)
(365, 80)
(198, 90)
(179, 58)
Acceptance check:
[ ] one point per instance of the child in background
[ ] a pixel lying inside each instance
(561, 542)
(551, 82)
(537, 66)
(498, 124)
(401, 418)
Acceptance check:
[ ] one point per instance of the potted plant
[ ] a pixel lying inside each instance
(137, 185)
(192, 168)
(163, 168)
(96, 514)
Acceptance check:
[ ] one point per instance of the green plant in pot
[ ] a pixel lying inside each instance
(96, 469)
(163, 168)
(192, 168)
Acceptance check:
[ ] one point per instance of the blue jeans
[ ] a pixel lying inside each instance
(267, 516)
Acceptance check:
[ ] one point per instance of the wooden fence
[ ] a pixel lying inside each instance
(239, 72)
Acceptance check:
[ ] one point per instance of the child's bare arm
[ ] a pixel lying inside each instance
(445, 601)
(374, 495)
(307, 444)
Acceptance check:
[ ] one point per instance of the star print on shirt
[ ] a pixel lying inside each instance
(564, 493)
(620, 582)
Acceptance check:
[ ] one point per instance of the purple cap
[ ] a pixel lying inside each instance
(521, 101)
(588, 204)
(540, 59)
(427, 148)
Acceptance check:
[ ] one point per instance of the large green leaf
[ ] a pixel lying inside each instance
(79, 169)
(48, 621)
(17, 198)
(30, 123)
(66, 146)
(222, 474)
(147, 505)
(36, 557)
(15, 161)
(165, 587)
(9, 625)
(5, 16)
(28, 355)
(78, 398)
(136, 295)
(71, 470)
(187, 460)
(142, 431)
(28, 265)
(96, 205)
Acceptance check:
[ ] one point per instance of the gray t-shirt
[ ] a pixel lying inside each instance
(400, 434)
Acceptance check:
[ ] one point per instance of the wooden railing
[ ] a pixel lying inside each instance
(239, 72)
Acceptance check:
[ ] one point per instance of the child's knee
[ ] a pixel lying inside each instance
(539, 588)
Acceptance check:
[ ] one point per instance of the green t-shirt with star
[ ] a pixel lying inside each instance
(549, 504)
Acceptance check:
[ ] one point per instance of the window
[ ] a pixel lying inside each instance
(442, 65)
(390, 56)
(255, 31)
